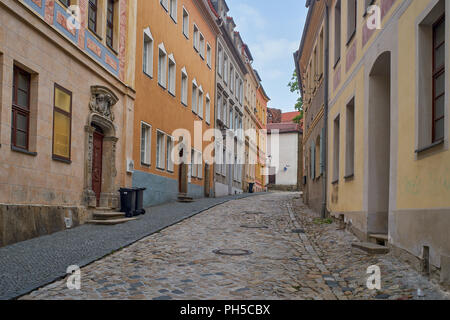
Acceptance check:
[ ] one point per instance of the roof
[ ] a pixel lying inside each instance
(285, 127)
(289, 116)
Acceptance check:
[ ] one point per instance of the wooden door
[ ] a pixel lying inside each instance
(97, 165)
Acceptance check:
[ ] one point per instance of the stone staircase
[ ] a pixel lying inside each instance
(185, 199)
(107, 217)
(377, 245)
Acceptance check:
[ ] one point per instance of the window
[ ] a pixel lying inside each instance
(336, 149)
(337, 32)
(220, 57)
(350, 140)
(62, 123)
(367, 4)
(196, 38)
(184, 87)
(225, 69)
(65, 2)
(431, 97)
(224, 161)
(231, 78)
(193, 164)
(146, 136)
(162, 66)
(148, 53)
(20, 122)
(225, 111)
(110, 23)
(169, 155)
(160, 163)
(236, 81)
(351, 19)
(173, 10)
(439, 80)
(165, 4)
(185, 23)
(208, 55)
(202, 45)
(200, 102)
(172, 75)
(194, 96)
(92, 15)
(321, 56)
(219, 107)
(241, 91)
(230, 119)
(208, 109)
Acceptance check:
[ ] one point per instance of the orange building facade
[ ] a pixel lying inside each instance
(175, 85)
(261, 122)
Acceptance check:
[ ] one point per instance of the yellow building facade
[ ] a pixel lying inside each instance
(388, 148)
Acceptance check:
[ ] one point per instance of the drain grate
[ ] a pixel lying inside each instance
(233, 252)
(298, 231)
(247, 226)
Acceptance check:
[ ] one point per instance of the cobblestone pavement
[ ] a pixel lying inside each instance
(315, 262)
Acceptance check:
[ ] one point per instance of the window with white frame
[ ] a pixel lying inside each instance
(199, 165)
(208, 55)
(225, 111)
(241, 91)
(184, 87)
(207, 109)
(200, 102)
(202, 45)
(224, 161)
(185, 23)
(230, 119)
(218, 157)
(196, 38)
(231, 78)
(220, 58)
(160, 155)
(148, 53)
(173, 10)
(236, 85)
(194, 96)
(172, 75)
(165, 4)
(162, 66)
(219, 107)
(169, 155)
(193, 163)
(146, 136)
(225, 69)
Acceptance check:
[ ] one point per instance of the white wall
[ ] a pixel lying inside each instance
(288, 158)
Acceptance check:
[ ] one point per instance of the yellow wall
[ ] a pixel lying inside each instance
(423, 183)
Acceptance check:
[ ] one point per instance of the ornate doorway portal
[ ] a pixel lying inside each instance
(100, 159)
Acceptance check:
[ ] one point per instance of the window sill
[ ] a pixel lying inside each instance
(20, 150)
(96, 35)
(172, 94)
(184, 104)
(337, 62)
(113, 50)
(146, 165)
(431, 146)
(349, 177)
(186, 36)
(351, 38)
(335, 182)
(66, 161)
(162, 87)
(148, 75)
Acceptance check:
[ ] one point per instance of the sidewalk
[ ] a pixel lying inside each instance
(31, 264)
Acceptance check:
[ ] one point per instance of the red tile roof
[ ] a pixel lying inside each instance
(284, 127)
(289, 116)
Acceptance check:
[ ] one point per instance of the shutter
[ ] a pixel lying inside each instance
(322, 151)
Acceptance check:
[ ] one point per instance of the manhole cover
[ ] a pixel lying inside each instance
(233, 252)
(246, 226)
(298, 231)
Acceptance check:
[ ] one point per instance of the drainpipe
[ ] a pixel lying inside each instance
(324, 212)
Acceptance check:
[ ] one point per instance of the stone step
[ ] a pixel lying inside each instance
(103, 209)
(384, 237)
(185, 199)
(108, 215)
(111, 222)
(370, 248)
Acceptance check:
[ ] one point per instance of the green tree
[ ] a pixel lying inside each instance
(294, 87)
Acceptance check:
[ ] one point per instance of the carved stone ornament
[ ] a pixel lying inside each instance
(102, 102)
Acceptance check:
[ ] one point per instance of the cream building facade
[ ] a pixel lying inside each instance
(66, 113)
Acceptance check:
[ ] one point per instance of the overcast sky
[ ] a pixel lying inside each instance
(272, 29)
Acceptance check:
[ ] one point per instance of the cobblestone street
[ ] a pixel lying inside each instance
(291, 256)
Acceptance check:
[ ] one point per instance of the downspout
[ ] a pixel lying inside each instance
(324, 212)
